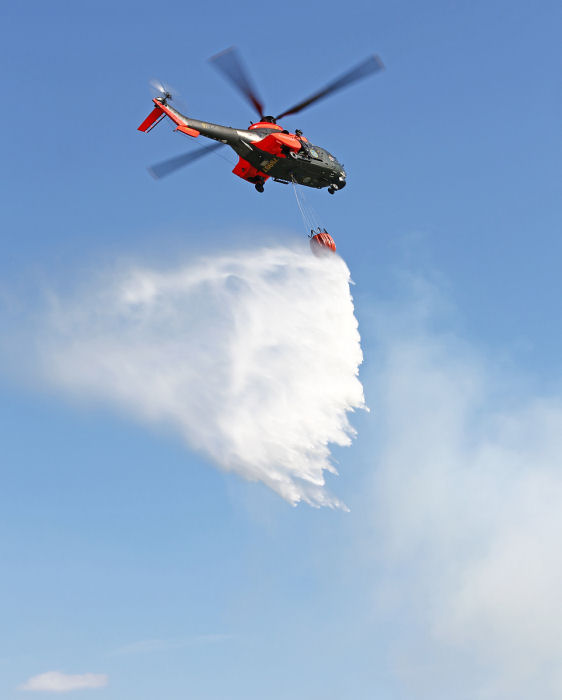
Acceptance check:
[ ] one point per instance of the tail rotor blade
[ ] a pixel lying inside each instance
(160, 89)
(373, 64)
(229, 63)
(167, 167)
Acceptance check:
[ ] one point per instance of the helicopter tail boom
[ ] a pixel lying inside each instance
(161, 110)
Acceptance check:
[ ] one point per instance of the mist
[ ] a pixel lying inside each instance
(251, 356)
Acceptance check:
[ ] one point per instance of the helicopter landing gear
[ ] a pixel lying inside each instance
(259, 186)
(332, 189)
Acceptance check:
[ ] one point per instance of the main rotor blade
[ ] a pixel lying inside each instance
(373, 64)
(167, 167)
(229, 63)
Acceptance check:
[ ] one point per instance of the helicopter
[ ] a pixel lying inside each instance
(265, 150)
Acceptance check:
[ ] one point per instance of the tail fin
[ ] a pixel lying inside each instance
(153, 118)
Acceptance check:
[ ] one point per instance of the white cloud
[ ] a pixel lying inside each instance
(252, 356)
(469, 517)
(57, 682)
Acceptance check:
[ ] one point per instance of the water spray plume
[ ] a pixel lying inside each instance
(252, 356)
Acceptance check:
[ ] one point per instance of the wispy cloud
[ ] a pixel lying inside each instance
(468, 516)
(58, 682)
(252, 356)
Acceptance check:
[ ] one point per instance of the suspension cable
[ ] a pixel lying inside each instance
(307, 213)
(303, 214)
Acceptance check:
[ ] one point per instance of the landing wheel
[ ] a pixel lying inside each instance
(259, 187)
(332, 190)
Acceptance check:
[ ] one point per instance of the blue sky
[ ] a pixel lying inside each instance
(125, 554)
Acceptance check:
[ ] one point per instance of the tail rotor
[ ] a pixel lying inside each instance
(161, 90)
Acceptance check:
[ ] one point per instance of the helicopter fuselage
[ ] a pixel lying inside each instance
(265, 150)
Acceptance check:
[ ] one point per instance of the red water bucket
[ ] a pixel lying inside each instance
(322, 244)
